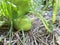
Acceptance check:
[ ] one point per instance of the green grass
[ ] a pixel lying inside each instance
(49, 27)
(9, 10)
(41, 17)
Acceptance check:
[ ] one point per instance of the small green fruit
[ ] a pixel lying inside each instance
(22, 23)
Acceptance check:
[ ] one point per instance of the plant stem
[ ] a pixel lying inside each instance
(23, 37)
(55, 8)
(10, 35)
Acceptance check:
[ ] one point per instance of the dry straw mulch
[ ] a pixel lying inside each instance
(36, 36)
